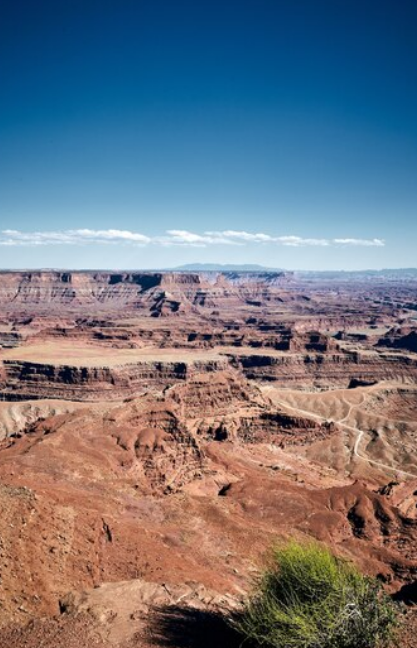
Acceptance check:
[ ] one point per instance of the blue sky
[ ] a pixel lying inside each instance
(140, 134)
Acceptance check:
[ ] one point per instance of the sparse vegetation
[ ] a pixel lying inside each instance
(308, 598)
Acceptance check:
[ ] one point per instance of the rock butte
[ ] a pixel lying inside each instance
(158, 431)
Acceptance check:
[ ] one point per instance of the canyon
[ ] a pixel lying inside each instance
(159, 431)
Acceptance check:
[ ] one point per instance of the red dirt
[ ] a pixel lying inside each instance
(161, 466)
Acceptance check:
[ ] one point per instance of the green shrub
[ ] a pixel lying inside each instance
(308, 598)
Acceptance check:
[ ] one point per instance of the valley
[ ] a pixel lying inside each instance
(160, 431)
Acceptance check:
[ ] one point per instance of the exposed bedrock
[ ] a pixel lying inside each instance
(269, 426)
(23, 380)
(324, 370)
(163, 291)
(214, 394)
(400, 339)
(9, 339)
(77, 288)
(26, 379)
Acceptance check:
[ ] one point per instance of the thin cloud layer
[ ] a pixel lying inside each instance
(71, 237)
(172, 237)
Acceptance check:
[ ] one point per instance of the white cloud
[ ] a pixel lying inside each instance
(111, 235)
(71, 237)
(244, 236)
(376, 242)
(183, 237)
(172, 237)
(298, 241)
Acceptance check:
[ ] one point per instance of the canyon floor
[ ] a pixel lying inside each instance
(159, 432)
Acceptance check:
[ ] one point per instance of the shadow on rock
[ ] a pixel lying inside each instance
(407, 594)
(185, 627)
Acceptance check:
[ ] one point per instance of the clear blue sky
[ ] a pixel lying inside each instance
(129, 129)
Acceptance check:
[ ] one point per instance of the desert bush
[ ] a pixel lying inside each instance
(308, 598)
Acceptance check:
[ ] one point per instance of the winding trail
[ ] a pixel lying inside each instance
(372, 461)
(357, 431)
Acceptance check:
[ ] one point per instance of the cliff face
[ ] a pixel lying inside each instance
(77, 288)
(326, 370)
(165, 293)
(9, 339)
(21, 379)
(400, 339)
(29, 380)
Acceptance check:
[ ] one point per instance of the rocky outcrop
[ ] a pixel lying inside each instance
(268, 426)
(9, 339)
(129, 289)
(326, 370)
(29, 380)
(74, 289)
(400, 338)
(214, 394)
(20, 379)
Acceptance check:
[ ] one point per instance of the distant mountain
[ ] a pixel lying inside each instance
(219, 267)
